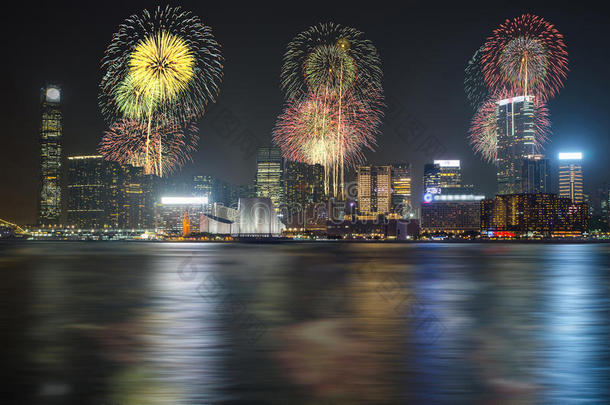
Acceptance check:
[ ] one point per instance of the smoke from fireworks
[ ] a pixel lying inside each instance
(125, 142)
(160, 65)
(484, 129)
(526, 54)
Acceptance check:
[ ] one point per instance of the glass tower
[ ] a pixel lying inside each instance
(570, 176)
(516, 132)
(269, 173)
(49, 202)
(401, 188)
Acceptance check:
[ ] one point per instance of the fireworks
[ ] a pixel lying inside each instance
(164, 65)
(526, 54)
(524, 57)
(474, 82)
(332, 80)
(125, 142)
(484, 129)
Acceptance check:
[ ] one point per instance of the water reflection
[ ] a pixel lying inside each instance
(135, 323)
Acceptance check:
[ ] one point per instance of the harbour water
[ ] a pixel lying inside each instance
(304, 323)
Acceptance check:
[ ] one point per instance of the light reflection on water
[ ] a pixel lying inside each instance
(151, 323)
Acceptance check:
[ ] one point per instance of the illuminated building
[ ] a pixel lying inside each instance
(136, 197)
(269, 171)
(303, 184)
(451, 214)
(172, 209)
(535, 175)
(49, 201)
(570, 176)
(401, 189)
(516, 131)
(442, 175)
(530, 215)
(89, 192)
(374, 190)
(450, 173)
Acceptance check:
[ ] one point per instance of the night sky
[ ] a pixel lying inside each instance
(424, 48)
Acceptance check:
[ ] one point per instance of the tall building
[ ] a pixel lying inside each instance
(49, 201)
(269, 171)
(303, 184)
(374, 190)
(535, 175)
(401, 188)
(88, 194)
(203, 186)
(516, 132)
(136, 198)
(570, 176)
(442, 174)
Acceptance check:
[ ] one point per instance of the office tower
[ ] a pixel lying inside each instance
(374, 190)
(450, 173)
(570, 176)
(303, 184)
(401, 188)
(527, 215)
(269, 170)
(136, 198)
(49, 202)
(432, 177)
(535, 175)
(88, 191)
(203, 186)
(442, 174)
(516, 132)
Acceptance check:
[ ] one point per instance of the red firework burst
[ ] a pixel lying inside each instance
(527, 56)
(169, 145)
(327, 131)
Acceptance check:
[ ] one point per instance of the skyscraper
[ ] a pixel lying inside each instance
(88, 191)
(137, 198)
(374, 190)
(535, 175)
(49, 202)
(516, 132)
(570, 176)
(303, 184)
(442, 174)
(401, 188)
(269, 171)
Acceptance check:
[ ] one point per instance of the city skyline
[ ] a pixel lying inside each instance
(223, 157)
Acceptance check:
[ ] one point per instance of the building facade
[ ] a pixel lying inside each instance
(51, 134)
(571, 177)
(269, 173)
(530, 215)
(374, 190)
(516, 133)
(535, 175)
(401, 189)
(453, 217)
(89, 192)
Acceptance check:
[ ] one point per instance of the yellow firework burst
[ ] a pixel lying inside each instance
(162, 66)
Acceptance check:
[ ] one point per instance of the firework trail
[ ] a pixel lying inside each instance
(125, 142)
(330, 73)
(527, 55)
(160, 65)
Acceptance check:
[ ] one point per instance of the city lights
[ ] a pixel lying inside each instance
(184, 200)
(570, 156)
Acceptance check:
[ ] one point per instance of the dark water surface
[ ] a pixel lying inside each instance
(326, 323)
